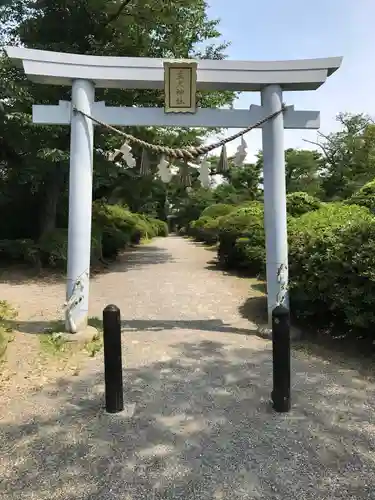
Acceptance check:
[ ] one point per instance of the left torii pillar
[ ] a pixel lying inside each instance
(80, 206)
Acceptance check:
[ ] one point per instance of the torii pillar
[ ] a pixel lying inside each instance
(84, 73)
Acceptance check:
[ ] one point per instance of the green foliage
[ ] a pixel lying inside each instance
(118, 228)
(54, 248)
(302, 170)
(35, 159)
(218, 210)
(364, 197)
(160, 227)
(331, 264)
(19, 251)
(7, 314)
(348, 156)
(191, 207)
(245, 223)
(331, 258)
(300, 203)
(205, 229)
(54, 343)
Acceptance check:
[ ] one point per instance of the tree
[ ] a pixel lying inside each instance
(302, 170)
(35, 159)
(348, 156)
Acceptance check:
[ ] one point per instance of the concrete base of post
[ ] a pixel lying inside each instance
(265, 331)
(83, 335)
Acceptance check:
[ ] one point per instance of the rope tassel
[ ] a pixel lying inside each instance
(223, 165)
(145, 164)
(184, 175)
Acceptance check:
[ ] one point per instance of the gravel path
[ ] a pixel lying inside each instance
(197, 383)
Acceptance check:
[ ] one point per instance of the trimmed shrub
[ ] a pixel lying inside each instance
(332, 264)
(246, 222)
(300, 203)
(53, 247)
(119, 228)
(157, 227)
(205, 229)
(218, 210)
(19, 251)
(364, 197)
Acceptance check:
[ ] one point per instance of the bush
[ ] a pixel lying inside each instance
(218, 210)
(365, 197)
(332, 264)
(119, 228)
(241, 238)
(53, 247)
(300, 203)
(19, 251)
(205, 229)
(157, 227)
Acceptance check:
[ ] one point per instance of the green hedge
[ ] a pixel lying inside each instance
(300, 203)
(365, 197)
(218, 210)
(331, 255)
(241, 238)
(206, 227)
(113, 228)
(331, 262)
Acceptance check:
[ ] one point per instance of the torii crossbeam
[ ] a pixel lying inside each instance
(84, 73)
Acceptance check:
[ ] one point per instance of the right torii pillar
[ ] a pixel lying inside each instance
(275, 215)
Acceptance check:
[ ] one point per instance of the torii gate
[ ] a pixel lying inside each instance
(84, 73)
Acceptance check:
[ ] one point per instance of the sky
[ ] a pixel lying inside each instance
(301, 29)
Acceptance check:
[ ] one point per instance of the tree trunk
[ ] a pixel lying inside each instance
(53, 186)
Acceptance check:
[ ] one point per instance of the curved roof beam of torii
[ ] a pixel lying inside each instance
(147, 73)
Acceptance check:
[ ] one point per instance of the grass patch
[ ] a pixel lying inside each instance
(7, 314)
(52, 340)
(95, 345)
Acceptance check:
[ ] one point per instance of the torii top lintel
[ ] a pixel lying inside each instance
(60, 68)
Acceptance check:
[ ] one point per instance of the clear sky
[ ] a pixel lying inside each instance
(298, 29)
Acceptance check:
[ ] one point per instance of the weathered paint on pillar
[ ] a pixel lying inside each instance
(275, 217)
(80, 206)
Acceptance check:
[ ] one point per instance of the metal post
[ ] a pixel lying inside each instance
(281, 359)
(275, 218)
(114, 398)
(80, 206)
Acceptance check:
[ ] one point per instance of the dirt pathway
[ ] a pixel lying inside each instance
(197, 384)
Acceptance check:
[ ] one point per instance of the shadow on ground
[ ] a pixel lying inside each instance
(255, 309)
(19, 275)
(204, 325)
(202, 429)
(138, 257)
(132, 258)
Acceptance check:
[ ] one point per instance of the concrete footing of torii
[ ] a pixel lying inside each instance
(85, 73)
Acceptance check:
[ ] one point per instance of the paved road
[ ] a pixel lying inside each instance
(198, 423)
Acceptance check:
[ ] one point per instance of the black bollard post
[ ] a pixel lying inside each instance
(114, 398)
(281, 359)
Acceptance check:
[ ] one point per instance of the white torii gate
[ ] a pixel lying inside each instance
(84, 73)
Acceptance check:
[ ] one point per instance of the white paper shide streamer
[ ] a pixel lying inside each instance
(204, 173)
(164, 170)
(129, 159)
(241, 153)
(125, 152)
